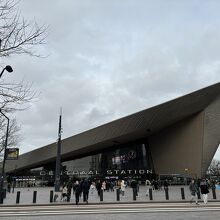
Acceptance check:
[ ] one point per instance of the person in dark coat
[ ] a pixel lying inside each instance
(134, 185)
(77, 191)
(194, 190)
(154, 184)
(85, 190)
(98, 187)
(204, 190)
(69, 188)
(9, 187)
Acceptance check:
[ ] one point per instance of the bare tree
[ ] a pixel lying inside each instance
(18, 35)
(13, 134)
(214, 168)
(15, 96)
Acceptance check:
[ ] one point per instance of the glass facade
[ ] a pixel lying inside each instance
(127, 161)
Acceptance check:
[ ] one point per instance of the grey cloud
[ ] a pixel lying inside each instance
(108, 59)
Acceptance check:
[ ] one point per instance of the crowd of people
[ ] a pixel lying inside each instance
(196, 188)
(82, 188)
(200, 186)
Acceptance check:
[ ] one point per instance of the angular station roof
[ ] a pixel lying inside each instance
(130, 128)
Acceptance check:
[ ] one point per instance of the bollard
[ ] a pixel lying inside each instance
(1, 197)
(150, 194)
(34, 196)
(18, 197)
(213, 193)
(51, 195)
(4, 193)
(68, 197)
(84, 197)
(118, 194)
(134, 193)
(198, 194)
(101, 195)
(166, 193)
(182, 193)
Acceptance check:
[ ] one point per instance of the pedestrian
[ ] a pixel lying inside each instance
(13, 186)
(193, 187)
(204, 190)
(85, 190)
(77, 191)
(98, 187)
(134, 185)
(92, 187)
(69, 188)
(123, 187)
(212, 184)
(112, 186)
(74, 187)
(119, 185)
(107, 186)
(154, 184)
(64, 193)
(165, 184)
(9, 187)
(104, 186)
(147, 182)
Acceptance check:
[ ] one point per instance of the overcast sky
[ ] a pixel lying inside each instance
(110, 58)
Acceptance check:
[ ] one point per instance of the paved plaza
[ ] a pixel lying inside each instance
(128, 211)
(129, 216)
(43, 196)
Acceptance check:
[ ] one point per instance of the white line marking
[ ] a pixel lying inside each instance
(107, 211)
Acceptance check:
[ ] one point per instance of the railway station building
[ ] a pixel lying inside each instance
(178, 137)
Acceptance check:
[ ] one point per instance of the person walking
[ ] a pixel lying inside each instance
(9, 187)
(85, 190)
(123, 187)
(92, 187)
(69, 188)
(98, 187)
(111, 186)
(13, 186)
(193, 187)
(154, 184)
(134, 185)
(77, 191)
(204, 190)
(64, 193)
(104, 185)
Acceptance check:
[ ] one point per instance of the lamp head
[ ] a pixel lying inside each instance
(9, 68)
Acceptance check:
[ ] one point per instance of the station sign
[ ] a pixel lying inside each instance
(12, 153)
(96, 172)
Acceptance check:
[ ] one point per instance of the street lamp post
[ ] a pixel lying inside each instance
(4, 159)
(9, 69)
(58, 158)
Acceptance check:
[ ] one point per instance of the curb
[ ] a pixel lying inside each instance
(105, 203)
